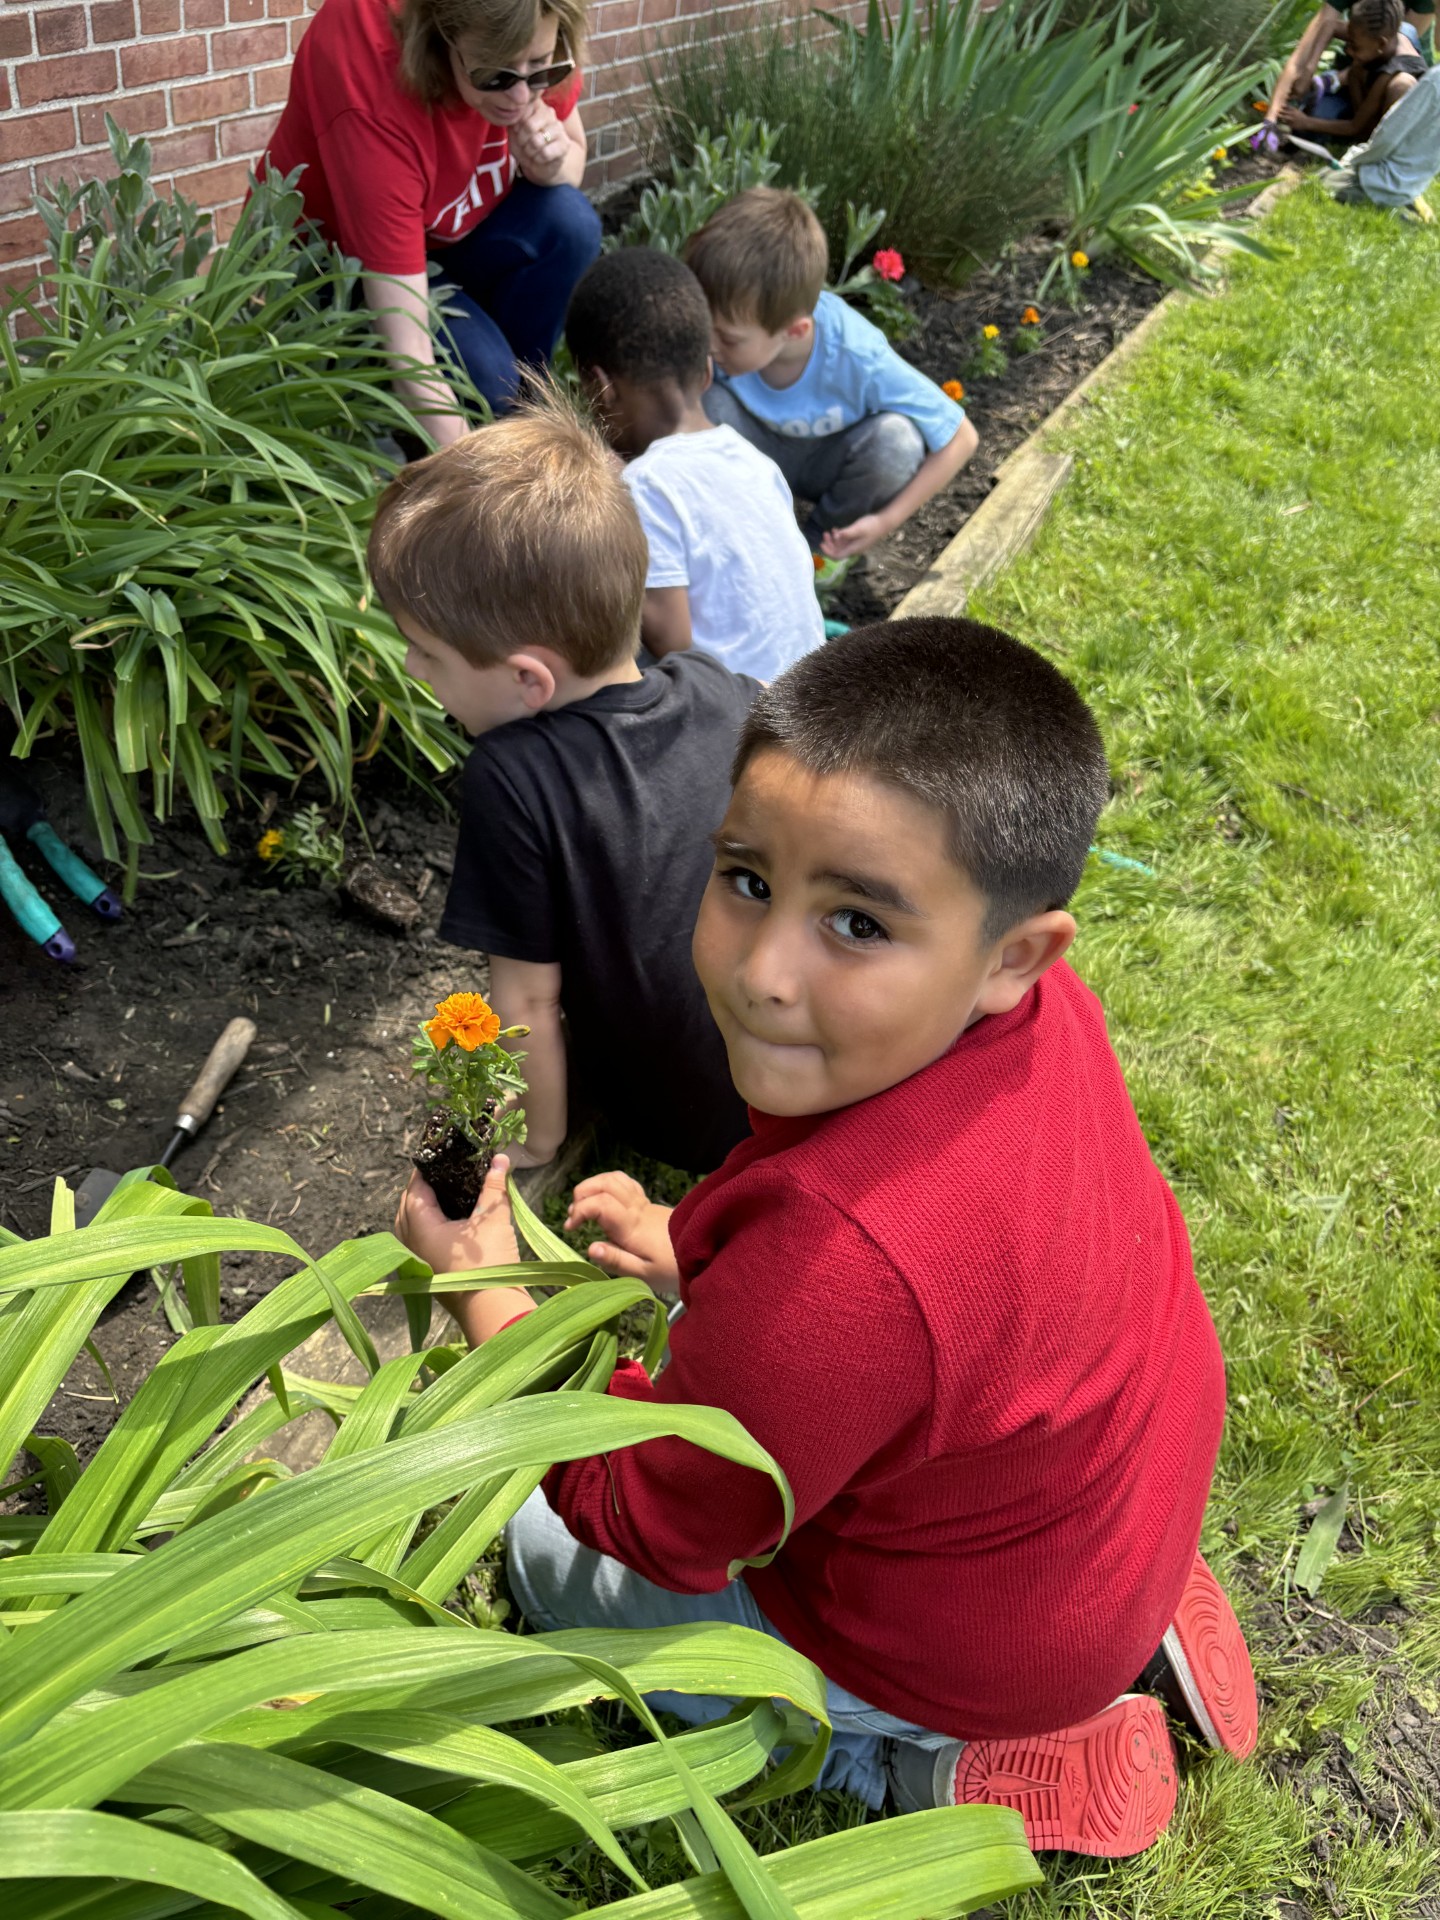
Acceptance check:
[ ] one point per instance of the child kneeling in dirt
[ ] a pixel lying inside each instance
(1380, 68)
(514, 564)
(944, 1284)
(809, 381)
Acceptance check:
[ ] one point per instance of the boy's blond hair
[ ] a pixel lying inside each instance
(762, 257)
(521, 535)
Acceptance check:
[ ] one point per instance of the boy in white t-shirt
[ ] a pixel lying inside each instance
(730, 571)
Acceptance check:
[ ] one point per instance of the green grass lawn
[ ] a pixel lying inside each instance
(1243, 579)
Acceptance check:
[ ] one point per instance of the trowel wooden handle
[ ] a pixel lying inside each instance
(225, 1056)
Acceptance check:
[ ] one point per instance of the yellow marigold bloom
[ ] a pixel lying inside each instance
(270, 844)
(466, 1018)
(1030, 317)
(1079, 259)
(954, 389)
(1218, 154)
(991, 333)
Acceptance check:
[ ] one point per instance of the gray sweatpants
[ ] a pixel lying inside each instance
(845, 474)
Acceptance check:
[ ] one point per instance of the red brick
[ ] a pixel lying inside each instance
(21, 239)
(160, 16)
(15, 190)
(248, 47)
(34, 133)
(77, 169)
(14, 36)
(135, 112)
(297, 31)
(60, 29)
(155, 60)
(113, 20)
(173, 152)
(63, 79)
(248, 138)
(216, 186)
(285, 9)
(211, 100)
(246, 9)
(272, 86)
(204, 13)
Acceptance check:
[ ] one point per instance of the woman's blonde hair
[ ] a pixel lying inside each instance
(501, 29)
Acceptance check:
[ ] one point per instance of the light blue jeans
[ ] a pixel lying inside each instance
(560, 1583)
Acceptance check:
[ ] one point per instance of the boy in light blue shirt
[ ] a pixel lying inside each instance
(855, 430)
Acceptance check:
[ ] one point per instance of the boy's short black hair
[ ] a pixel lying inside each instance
(967, 720)
(643, 315)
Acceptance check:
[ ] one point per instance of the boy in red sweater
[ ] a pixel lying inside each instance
(944, 1282)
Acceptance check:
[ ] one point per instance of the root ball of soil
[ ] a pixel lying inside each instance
(454, 1163)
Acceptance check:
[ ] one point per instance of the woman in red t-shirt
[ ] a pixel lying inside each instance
(448, 131)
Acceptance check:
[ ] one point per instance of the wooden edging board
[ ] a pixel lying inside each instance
(1029, 478)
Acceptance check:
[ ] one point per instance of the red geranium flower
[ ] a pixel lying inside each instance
(888, 264)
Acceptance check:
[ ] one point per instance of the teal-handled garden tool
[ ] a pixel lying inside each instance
(22, 817)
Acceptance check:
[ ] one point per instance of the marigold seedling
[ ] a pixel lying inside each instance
(474, 1080)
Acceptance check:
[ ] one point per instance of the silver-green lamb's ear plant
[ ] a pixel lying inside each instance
(230, 1689)
(188, 464)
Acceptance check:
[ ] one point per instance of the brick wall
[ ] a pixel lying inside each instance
(205, 80)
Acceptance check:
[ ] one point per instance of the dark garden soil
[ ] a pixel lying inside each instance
(316, 1129)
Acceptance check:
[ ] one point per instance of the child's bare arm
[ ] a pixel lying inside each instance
(1299, 70)
(526, 993)
(665, 622)
(935, 471)
(486, 1239)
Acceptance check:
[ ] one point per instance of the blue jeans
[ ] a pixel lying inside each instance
(506, 285)
(560, 1583)
(846, 474)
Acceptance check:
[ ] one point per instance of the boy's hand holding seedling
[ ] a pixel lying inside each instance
(636, 1229)
(486, 1239)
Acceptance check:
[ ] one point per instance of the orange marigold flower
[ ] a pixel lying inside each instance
(1030, 317)
(817, 560)
(271, 844)
(954, 389)
(466, 1018)
(1079, 259)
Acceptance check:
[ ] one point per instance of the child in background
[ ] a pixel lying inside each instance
(729, 569)
(1346, 103)
(944, 1284)
(514, 565)
(855, 429)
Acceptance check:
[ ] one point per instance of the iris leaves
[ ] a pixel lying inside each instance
(233, 1689)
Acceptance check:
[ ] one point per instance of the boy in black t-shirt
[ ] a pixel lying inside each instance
(514, 564)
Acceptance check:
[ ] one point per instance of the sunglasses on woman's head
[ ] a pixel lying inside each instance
(502, 79)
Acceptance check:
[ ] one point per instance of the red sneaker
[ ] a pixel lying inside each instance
(1106, 1787)
(1210, 1665)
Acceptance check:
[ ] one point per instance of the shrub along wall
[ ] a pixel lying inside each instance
(205, 80)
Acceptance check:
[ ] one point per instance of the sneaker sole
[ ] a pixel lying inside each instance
(1211, 1665)
(1104, 1788)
